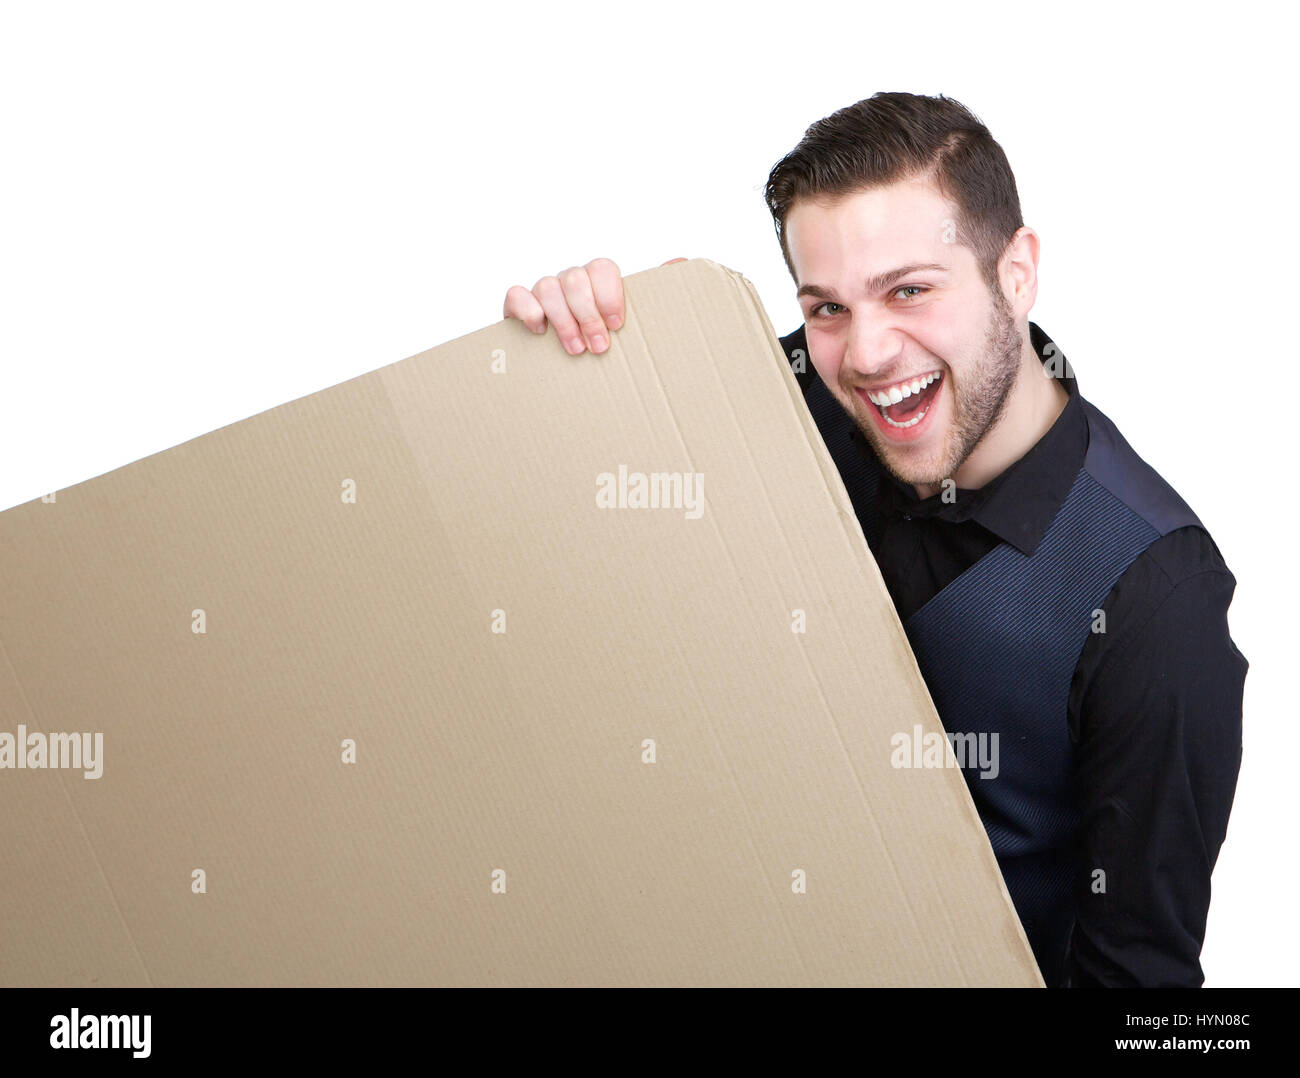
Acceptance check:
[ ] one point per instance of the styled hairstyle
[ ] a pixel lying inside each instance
(894, 136)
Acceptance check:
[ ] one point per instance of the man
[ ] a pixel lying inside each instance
(1057, 592)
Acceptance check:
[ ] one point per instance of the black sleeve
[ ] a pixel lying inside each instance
(1157, 701)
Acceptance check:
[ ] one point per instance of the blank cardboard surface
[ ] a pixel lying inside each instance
(404, 669)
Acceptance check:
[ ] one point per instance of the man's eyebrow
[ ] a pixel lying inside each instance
(879, 283)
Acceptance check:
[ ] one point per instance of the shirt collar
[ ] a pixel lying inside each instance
(1020, 504)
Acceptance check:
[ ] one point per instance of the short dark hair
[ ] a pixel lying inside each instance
(894, 136)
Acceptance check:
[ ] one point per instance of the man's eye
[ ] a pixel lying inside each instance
(911, 288)
(820, 306)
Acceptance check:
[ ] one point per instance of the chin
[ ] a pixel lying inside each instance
(908, 468)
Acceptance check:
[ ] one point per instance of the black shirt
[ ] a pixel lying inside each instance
(1155, 701)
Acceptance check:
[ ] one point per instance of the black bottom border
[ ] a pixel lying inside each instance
(618, 1026)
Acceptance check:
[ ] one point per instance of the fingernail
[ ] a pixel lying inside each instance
(614, 321)
(597, 343)
(573, 347)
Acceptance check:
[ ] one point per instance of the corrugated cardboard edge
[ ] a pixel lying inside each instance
(839, 496)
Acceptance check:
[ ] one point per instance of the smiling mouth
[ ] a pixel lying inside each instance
(905, 404)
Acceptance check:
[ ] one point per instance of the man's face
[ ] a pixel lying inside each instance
(872, 329)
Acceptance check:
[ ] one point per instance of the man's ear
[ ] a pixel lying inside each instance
(1018, 272)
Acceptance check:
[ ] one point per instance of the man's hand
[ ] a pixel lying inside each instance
(584, 303)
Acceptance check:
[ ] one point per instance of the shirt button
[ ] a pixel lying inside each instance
(907, 516)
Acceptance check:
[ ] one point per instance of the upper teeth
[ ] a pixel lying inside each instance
(894, 394)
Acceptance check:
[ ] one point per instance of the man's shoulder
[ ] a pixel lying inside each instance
(1111, 461)
(795, 345)
(1184, 553)
(1184, 563)
(796, 338)
(1182, 559)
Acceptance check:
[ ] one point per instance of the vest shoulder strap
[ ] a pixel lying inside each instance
(1113, 463)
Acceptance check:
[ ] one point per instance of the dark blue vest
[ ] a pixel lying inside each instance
(998, 647)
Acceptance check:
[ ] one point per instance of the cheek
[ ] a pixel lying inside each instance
(943, 343)
(955, 332)
(934, 331)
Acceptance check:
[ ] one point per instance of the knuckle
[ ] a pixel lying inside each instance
(561, 317)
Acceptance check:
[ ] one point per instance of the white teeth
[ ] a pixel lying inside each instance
(897, 393)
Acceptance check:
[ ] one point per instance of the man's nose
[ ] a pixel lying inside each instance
(873, 350)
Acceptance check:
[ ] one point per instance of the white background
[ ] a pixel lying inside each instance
(209, 210)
